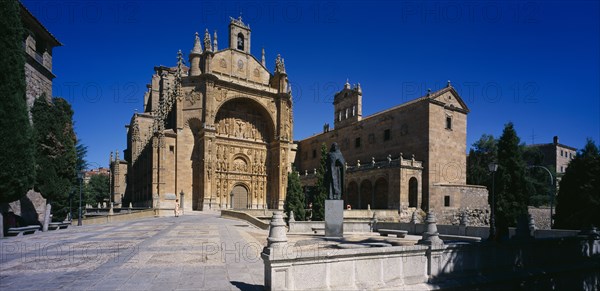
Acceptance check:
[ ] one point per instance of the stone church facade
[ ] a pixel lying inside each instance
(216, 134)
(409, 156)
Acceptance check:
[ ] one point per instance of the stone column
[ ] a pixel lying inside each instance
(431, 236)
(275, 277)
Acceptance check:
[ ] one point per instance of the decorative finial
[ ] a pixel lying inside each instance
(279, 65)
(197, 47)
(207, 45)
(449, 84)
(180, 60)
(263, 57)
(358, 89)
(215, 45)
(429, 92)
(347, 85)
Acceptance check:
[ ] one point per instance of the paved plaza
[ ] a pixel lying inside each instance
(195, 251)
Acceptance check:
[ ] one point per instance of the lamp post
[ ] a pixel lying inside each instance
(80, 177)
(493, 167)
(552, 189)
(71, 204)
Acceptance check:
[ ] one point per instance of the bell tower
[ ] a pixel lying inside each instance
(239, 35)
(347, 105)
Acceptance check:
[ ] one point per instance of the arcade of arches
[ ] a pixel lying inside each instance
(376, 193)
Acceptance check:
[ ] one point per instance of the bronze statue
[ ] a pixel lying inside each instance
(334, 172)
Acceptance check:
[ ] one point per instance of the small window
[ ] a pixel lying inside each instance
(357, 142)
(562, 169)
(448, 122)
(371, 138)
(561, 153)
(314, 154)
(172, 148)
(386, 135)
(446, 201)
(240, 41)
(353, 110)
(346, 113)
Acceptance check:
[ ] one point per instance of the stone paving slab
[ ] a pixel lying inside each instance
(191, 252)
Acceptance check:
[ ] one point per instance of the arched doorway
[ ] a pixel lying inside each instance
(244, 131)
(239, 197)
(413, 193)
(352, 196)
(381, 194)
(366, 194)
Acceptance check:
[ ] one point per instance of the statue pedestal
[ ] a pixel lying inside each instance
(334, 218)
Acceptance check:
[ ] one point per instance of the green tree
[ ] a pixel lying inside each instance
(294, 199)
(17, 172)
(539, 186)
(482, 153)
(56, 156)
(318, 193)
(579, 195)
(97, 190)
(511, 192)
(81, 151)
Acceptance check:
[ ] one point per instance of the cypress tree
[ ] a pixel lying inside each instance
(511, 193)
(294, 200)
(579, 195)
(17, 154)
(56, 156)
(319, 192)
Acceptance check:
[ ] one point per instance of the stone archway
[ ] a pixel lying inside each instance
(413, 192)
(243, 135)
(365, 194)
(352, 195)
(381, 194)
(239, 197)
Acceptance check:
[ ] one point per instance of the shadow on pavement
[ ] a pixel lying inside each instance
(245, 286)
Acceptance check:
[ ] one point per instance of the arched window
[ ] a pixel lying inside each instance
(240, 41)
(413, 192)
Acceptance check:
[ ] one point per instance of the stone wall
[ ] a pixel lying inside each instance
(516, 263)
(37, 84)
(541, 216)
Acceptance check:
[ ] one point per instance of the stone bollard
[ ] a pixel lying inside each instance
(291, 218)
(414, 219)
(277, 232)
(110, 211)
(532, 227)
(431, 235)
(374, 222)
(464, 221)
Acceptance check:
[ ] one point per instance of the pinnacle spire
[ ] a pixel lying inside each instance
(263, 57)
(215, 46)
(207, 45)
(197, 47)
(347, 85)
(279, 64)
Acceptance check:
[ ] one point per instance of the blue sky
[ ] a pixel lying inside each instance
(533, 63)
